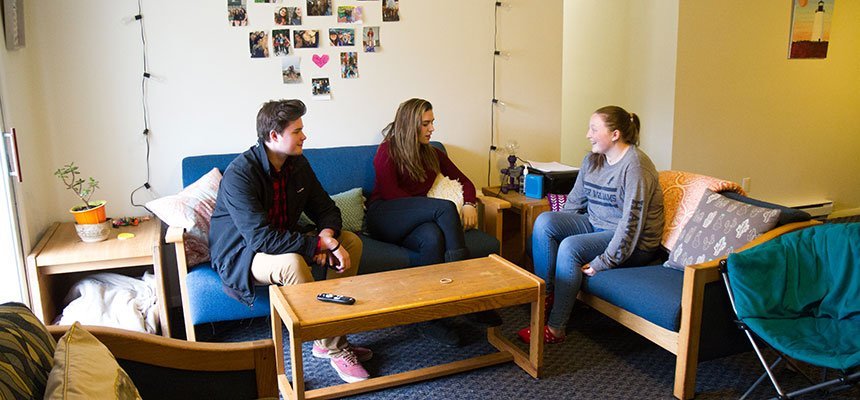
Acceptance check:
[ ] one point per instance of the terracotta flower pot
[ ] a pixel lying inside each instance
(93, 215)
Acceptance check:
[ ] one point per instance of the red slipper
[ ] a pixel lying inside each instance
(548, 337)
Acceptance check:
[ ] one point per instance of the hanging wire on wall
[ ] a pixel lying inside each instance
(495, 103)
(144, 83)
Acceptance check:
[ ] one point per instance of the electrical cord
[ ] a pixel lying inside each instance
(493, 103)
(144, 103)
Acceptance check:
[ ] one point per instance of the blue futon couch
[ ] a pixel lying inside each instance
(339, 169)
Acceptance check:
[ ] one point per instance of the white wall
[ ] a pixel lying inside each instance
(83, 64)
(623, 53)
(21, 94)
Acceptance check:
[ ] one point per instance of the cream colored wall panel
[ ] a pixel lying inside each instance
(744, 110)
(623, 53)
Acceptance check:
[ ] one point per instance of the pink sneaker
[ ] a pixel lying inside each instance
(361, 353)
(348, 367)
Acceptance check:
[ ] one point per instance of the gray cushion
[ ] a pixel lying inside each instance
(718, 227)
(26, 353)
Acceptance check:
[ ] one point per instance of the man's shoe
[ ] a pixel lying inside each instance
(548, 337)
(440, 331)
(361, 353)
(489, 318)
(348, 367)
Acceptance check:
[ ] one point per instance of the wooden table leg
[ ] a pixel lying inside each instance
(278, 338)
(537, 324)
(298, 368)
(533, 361)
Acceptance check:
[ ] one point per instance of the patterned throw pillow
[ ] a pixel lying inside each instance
(85, 369)
(191, 209)
(556, 201)
(26, 353)
(681, 193)
(718, 227)
(351, 205)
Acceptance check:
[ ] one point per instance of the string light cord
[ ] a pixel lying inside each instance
(493, 125)
(144, 84)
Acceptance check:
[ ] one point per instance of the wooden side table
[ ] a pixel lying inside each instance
(61, 258)
(525, 210)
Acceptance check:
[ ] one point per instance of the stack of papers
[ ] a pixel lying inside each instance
(551, 166)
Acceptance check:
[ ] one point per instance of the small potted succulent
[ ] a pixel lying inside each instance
(92, 224)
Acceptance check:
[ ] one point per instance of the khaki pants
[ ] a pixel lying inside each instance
(291, 269)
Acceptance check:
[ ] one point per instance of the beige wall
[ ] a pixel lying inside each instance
(744, 110)
(528, 81)
(623, 53)
(76, 90)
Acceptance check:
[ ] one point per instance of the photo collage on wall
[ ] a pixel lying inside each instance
(285, 34)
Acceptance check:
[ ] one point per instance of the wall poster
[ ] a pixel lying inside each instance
(810, 28)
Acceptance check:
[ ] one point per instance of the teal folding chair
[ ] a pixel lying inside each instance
(799, 294)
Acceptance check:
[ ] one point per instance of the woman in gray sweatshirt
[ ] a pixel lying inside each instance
(613, 217)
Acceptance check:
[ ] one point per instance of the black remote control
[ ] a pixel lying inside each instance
(335, 298)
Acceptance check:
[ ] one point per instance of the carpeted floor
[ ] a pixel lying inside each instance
(600, 360)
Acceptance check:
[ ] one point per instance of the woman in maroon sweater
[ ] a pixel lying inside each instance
(399, 210)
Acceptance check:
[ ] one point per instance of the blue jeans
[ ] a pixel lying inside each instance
(429, 228)
(562, 242)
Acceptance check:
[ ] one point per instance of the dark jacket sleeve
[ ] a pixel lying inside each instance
(244, 202)
(320, 208)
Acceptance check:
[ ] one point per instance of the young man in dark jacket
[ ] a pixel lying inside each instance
(255, 237)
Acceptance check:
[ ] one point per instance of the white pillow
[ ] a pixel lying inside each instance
(447, 189)
(191, 209)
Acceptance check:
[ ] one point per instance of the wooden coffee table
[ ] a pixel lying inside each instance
(404, 297)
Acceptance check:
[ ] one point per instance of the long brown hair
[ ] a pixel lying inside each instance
(617, 118)
(410, 156)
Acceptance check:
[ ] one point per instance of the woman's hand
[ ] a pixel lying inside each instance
(586, 269)
(470, 216)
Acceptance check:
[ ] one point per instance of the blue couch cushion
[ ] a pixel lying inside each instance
(651, 292)
(209, 303)
(338, 168)
(342, 168)
(379, 256)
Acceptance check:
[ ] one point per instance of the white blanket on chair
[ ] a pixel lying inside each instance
(114, 300)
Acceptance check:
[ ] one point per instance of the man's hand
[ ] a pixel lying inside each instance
(320, 259)
(328, 243)
(586, 269)
(470, 216)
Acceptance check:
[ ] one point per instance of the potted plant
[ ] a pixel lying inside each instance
(92, 224)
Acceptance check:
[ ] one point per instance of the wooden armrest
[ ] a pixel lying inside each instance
(174, 234)
(174, 353)
(491, 216)
(494, 202)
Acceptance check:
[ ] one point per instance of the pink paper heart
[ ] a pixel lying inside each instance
(320, 60)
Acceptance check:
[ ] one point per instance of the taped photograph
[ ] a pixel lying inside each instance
(292, 69)
(307, 38)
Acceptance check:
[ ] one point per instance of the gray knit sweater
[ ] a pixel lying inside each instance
(625, 198)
